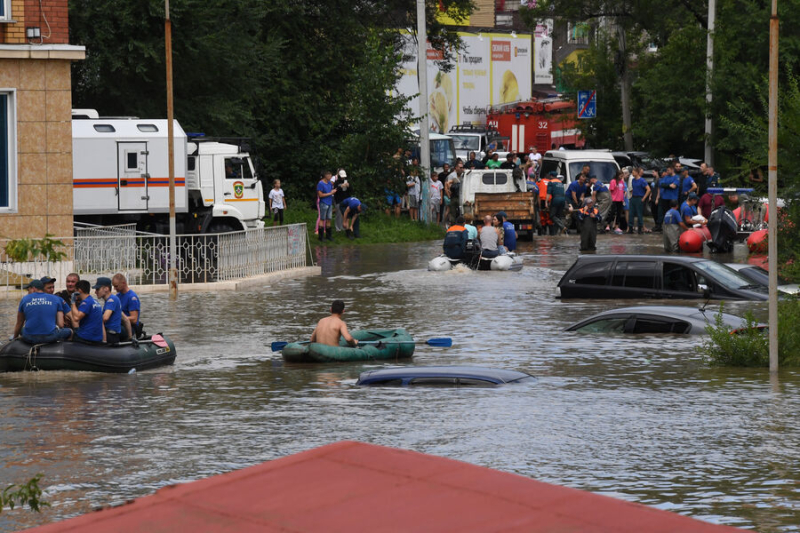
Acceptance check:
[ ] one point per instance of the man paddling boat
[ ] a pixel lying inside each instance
(330, 329)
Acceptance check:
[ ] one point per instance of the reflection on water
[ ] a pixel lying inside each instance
(636, 418)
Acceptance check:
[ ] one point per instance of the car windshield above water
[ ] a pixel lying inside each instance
(727, 276)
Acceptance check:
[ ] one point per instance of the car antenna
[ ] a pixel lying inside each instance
(708, 299)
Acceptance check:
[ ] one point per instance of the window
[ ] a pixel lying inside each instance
(149, 128)
(604, 170)
(592, 274)
(104, 128)
(638, 275)
(8, 151)
(237, 168)
(549, 165)
(5, 10)
(679, 278)
(131, 160)
(605, 325)
(660, 325)
(499, 178)
(191, 162)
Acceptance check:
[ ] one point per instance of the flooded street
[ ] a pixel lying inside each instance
(639, 418)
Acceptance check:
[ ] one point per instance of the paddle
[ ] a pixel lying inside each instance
(443, 342)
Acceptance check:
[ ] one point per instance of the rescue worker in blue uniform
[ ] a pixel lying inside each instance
(40, 319)
(131, 306)
(118, 327)
(509, 233)
(667, 191)
(671, 226)
(689, 211)
(87, 313)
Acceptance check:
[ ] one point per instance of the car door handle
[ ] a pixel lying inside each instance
(227, 194)
(145, 197)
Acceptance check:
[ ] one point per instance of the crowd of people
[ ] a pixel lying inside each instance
(44, 316)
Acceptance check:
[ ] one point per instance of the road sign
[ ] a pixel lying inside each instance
(587, 104)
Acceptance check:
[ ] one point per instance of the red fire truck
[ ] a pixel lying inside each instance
(544, 123)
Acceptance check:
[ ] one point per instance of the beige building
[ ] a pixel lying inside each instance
(35, 119)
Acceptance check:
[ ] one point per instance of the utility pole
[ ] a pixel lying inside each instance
(173, 251)
(773, 188)
(712, 15)
(626, 89)
(424, 124)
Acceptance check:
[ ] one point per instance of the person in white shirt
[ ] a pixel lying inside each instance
(436, 198)
(277, 202)
(413, 185)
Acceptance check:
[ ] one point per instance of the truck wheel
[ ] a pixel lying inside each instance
(220, 227)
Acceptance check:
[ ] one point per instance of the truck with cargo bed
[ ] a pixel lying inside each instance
(487, 192)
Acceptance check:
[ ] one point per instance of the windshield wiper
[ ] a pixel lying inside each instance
(753, 286)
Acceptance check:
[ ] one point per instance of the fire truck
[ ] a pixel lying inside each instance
(543, 123)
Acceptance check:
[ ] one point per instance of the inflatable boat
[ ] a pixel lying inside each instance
(155, 351)
(507, 261)
(389, 344)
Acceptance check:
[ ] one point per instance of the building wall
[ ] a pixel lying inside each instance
(483, 15)
(37, 75)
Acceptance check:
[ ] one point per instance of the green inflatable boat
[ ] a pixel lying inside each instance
(385, 344)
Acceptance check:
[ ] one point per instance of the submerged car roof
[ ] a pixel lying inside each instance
(675, 311)
(589, 258)
(406, 374)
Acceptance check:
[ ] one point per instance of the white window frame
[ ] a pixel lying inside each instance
(6, 15)
(11, 128)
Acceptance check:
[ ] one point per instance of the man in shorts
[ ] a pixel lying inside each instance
(325, 192)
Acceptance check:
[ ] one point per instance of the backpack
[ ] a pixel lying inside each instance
(455, 244)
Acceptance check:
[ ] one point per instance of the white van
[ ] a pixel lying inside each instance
(569, 163)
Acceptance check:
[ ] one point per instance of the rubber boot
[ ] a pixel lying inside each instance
(321, 233)
(349, 233)
(328, 234)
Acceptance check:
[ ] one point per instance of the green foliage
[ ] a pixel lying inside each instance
(596, 70)
(26, 494)
(310, 82)
(751, 347)
(21, 250)
(376, 227)
(670, 93)
(748, 348)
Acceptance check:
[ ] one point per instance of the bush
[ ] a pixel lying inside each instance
(26, 494)
(750, 348)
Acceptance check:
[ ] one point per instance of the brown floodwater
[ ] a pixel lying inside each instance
(639, 418)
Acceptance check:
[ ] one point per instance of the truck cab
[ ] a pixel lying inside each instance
(221, 176)
(469, 138)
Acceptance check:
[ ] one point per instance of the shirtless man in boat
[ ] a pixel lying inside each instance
(330, 329)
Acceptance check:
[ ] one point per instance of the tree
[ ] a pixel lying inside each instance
(308, 81)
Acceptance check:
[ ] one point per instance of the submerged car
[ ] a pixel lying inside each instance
(442, 376)
(656, 319)
(758, 275)
(656, 276)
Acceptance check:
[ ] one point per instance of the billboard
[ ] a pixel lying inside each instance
(492, 69)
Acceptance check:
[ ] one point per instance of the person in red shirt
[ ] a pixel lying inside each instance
(709, 202)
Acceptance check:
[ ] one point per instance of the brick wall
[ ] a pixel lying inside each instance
(28, 13)
(55, 12)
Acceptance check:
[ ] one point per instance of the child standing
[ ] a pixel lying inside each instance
(277, 202)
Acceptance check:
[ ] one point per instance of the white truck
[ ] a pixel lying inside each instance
(120, 174)
(486, 192)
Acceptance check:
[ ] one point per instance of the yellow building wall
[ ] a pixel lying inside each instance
(44, 147)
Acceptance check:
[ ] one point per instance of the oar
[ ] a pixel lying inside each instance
(442, 342)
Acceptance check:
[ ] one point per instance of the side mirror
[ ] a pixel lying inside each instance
(705, 289)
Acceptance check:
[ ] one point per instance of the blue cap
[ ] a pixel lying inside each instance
(35, 283)
(102, 282)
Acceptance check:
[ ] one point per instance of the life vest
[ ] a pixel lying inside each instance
(543, 189)
(455, 242)
(589, 212)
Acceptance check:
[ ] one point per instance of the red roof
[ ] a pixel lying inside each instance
(351, 486)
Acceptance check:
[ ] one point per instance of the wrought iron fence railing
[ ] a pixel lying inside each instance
(145, 258)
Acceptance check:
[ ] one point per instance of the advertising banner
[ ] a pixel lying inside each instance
(511, 68)
(492, 69)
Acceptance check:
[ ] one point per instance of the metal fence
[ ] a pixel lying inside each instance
(145, 258)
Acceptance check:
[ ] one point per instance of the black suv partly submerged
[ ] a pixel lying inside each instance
(655, 276)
